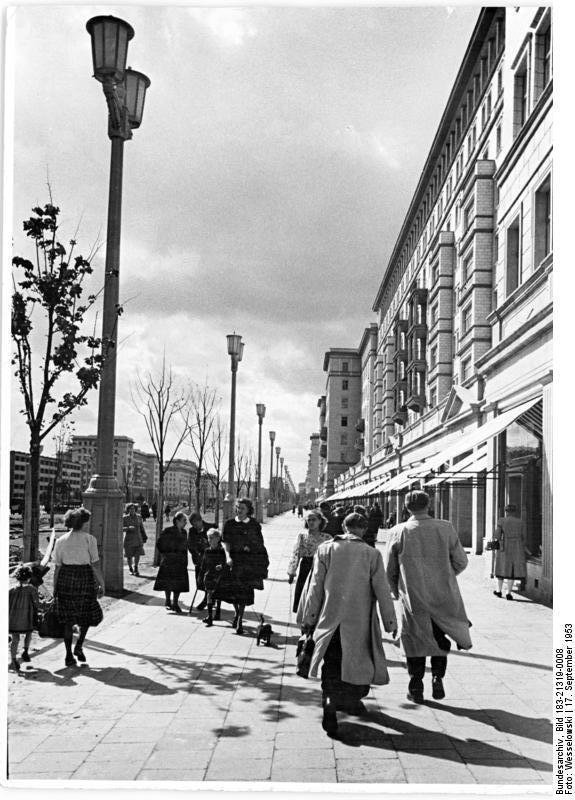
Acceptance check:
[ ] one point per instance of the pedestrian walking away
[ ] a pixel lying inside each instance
(307, 542)
(423, 558)
(172, 577)
(78, 581)
(300, 510)
(511, 556)
(197, 543)
(22, 609)
(347, 584)
(154, 510)
(145, 511)
(333, 526)
(167, 512)
(134, 537)
(247, 558)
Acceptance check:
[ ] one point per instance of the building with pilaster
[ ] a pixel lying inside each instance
(463, 367)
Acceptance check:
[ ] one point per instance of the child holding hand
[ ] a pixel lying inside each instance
(22, 610)
(213, 564)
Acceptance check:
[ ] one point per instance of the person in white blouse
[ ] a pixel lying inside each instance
(304, 549)
(78, 581)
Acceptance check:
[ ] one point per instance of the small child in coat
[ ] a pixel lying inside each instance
(22, 610)
(213, 563)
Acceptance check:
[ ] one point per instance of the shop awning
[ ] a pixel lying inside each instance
(480, 435)
(464, 469)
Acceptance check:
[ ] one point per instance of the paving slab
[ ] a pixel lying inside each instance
(163, 698)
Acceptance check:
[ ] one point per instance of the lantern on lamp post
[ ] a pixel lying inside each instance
(125, 93)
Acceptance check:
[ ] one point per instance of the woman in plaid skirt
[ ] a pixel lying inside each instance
(78, 581)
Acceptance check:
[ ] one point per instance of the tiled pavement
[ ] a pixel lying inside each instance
(165, 698)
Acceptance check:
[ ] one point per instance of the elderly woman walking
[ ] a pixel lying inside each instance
(78, 580)
(424, 556)
(304, 550)
(134, 537)
(511, 557)
(347, 585)
(172, 577)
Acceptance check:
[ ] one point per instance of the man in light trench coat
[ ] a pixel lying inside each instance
(339, 604)
(423, 557)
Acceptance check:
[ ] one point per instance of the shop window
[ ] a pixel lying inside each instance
(512, 263)
(542, 222)
(522, 458)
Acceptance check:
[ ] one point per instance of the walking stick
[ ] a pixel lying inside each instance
(193, 601)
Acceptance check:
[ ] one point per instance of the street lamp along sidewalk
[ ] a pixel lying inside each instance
(261, 412)
(236, 352)
(125, 92)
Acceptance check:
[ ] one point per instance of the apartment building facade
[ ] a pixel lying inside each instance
(83, 450)
(61, 473)
(312, 473)
(462, 383)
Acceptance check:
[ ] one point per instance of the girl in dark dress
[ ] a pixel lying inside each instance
(247, 558)
(197, 544)
(214, 574)
(172, 578)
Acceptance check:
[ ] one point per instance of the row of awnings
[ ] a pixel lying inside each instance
(467, 467)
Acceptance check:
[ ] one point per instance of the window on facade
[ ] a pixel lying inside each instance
(512, 261)
(458, 168)
(343, 438)
(488, 105)
(345, 384)
(433, 356)
(498, 140)
(520, 98)
(483, 71)
(466, 267)
(344, 366)
(485, 154)
(542, 243)
(434, 313)
(342, 458)
(432, 398)
(546, 55)
(500, 82)
(466, 319)
(448, 188)
(466, 368)
(467, 215)
(344, 402)
(344, 422)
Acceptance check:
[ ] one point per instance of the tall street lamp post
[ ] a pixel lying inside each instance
(236, 352)
(282, 493)
(271, 497)
(261, 412)
(277, 485)
(125, 92)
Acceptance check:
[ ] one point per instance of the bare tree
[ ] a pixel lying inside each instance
(159, 400)
(201, 418)
(217, 460)
(60, 440)
(244, 468)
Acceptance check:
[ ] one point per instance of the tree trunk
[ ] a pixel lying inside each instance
(159, 521)
(217, 507)
(31, 531)
(198, 484)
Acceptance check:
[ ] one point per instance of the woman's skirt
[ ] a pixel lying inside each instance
(305, 566)
(173, 574)
(133, 546)
(75, 596)
(228, 586)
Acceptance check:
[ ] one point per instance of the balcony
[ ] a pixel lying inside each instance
(400, 384)
(399, 416)
(360, 425)
(323, 433)
(323, 451)
(416, 402)
(417, 330)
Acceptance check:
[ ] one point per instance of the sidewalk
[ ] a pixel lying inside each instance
(165, 698)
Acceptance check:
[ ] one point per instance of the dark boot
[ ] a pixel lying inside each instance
(218, 614)
(329, 718)
(208, 619)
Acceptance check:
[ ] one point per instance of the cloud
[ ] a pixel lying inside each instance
(230, 26)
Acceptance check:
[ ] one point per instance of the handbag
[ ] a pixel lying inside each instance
(304, 652)
(47, 623)
(493, 544)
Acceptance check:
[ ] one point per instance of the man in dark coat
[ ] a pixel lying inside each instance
(333, 526)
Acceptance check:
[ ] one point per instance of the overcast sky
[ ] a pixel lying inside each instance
(279, 150)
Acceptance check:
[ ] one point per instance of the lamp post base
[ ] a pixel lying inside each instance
(228, 507)
(105, 501)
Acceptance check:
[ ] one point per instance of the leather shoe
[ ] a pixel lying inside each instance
(438, 692)
(497, 594)
(329, 718)
(509, 597)
(416, 697)
(176, 608)
(79, 653)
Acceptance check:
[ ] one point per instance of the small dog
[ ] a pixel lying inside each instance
(264, 632)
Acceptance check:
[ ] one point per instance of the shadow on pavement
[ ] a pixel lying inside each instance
(355, 735)
(500, 660)
(539, 729)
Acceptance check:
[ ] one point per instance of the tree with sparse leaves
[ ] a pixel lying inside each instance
(201, 421)
(216, 457)
(48, 298)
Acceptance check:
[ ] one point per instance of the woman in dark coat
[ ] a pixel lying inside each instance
(172, 575)
(247, 558)
(197, 544)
